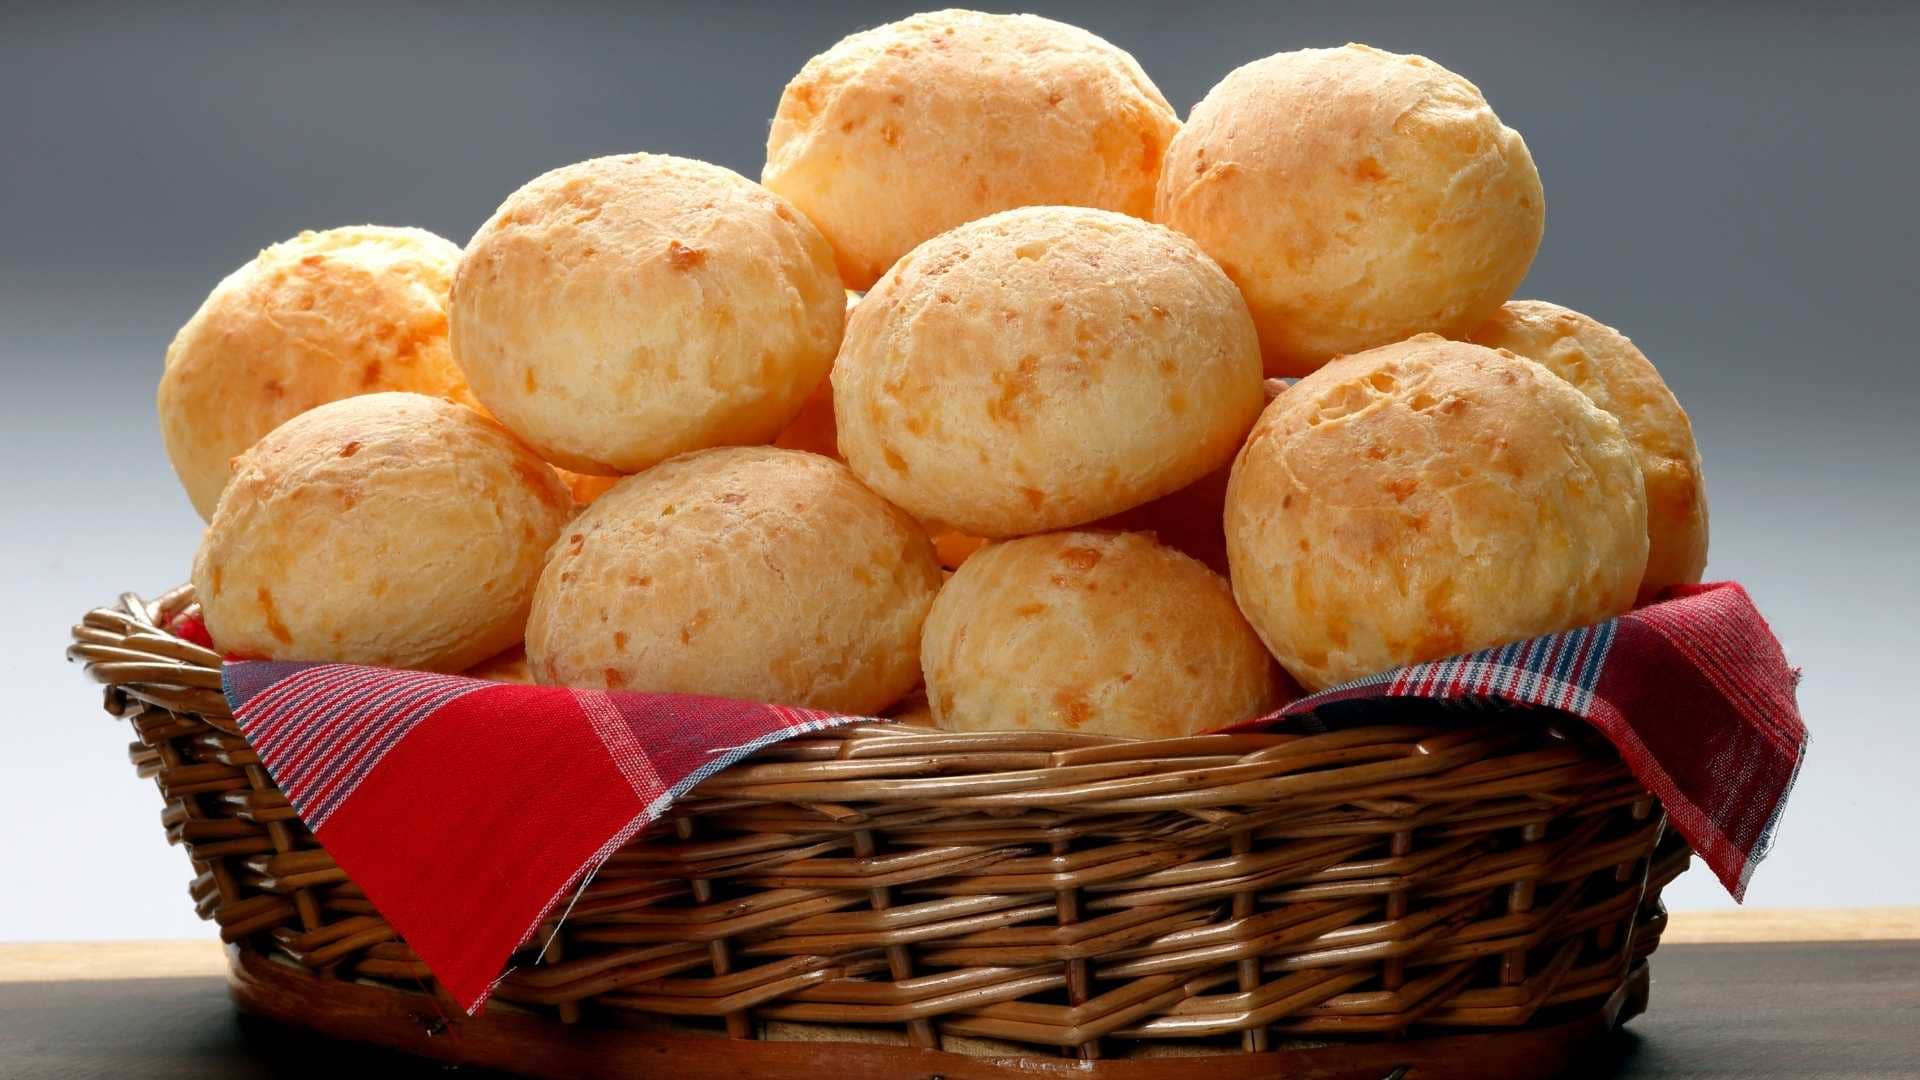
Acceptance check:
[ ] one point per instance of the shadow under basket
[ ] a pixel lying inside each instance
(1462, 896)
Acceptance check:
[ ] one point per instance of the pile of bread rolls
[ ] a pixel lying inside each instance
(1047, 472)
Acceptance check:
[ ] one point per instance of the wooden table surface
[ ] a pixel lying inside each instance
(1833, 994)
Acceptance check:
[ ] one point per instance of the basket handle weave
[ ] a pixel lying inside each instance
(127, 648)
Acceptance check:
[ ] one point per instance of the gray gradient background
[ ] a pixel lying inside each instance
(1734, 187)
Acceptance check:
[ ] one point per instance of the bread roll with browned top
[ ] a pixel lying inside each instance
(1605, 366)
(622, 310)
(749, 572)
(1356, 197)
(390, 529)
(1107, 633)
(899, 133)
(1430, 498)
(1043, 368)
(322, 316)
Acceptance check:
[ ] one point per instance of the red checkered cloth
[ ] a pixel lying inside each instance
(469, 811)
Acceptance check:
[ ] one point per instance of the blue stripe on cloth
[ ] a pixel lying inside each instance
(1554, 670)
(1569, 644)
(1588, 678)
(401, 718)
(1514, 682)
(1538, 651)
(308, 718)
(242, 679)
(318, 729)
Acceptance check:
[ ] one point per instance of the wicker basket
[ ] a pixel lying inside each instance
(1036, 900)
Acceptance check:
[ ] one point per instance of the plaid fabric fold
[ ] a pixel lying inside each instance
(1693, 691)
(468, 811)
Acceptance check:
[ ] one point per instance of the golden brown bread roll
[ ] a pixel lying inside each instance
(619, 311)
(1356, 197)
(1605, 366)
(1043, 368)
(899, 133)
(322, 316)
(1109, 633)
(391, 529)
(1429, 498)
(746, 572)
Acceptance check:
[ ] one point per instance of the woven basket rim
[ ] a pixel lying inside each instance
(130, 647)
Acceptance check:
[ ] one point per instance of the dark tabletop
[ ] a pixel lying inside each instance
(1832, 1010)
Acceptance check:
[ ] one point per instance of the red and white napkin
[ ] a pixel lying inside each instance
(468, 811)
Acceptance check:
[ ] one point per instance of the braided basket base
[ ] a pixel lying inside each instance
(1014, 896)
(1570, 1042)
